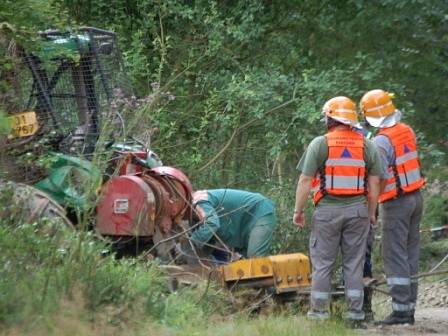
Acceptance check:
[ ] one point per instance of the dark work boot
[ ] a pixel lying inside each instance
(355, 324)
(411, 315)
(367, 305)
(369, 316)
(397, 318)
(318, 315)
(355, 320)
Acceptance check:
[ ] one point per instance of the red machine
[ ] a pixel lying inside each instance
(139, 199)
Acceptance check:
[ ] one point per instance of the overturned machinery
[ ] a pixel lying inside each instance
(63, 96)
(64, 93)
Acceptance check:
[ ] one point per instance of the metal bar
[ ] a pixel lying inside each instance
(92, 104)
(96, 30)
(43, 94)
(251, 283)
(66, 95)
(440, 263)
(54, 80)
(440, 228)
(33, 87)
(99, 65)
(417, 276)
(53, 32)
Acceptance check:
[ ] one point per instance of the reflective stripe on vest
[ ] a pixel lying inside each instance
(406, 166)
(343, 182)
(410, 177)
(345, 169)
(345, 162)
(406, 157)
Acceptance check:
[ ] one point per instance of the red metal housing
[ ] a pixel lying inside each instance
(127, 208)
(135, 205)
(126, 166)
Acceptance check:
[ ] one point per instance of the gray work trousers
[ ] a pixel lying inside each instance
(334, 228)
(400, 218)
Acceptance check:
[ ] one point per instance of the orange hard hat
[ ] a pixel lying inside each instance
(376, 106)
(341, 109)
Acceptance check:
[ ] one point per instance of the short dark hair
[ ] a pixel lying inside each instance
(330, 122)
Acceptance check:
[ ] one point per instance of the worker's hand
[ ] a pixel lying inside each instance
(372, 219)
(184, 243)
(235, 256)
(299, 219)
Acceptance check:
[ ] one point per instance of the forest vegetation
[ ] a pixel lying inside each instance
(239, 87)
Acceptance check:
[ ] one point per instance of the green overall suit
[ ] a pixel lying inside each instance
(242, 220)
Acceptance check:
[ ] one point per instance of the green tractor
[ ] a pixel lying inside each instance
(64, 93)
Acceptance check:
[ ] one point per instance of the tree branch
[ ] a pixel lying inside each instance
(242, 127)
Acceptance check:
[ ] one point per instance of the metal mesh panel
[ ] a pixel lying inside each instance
(69, 83)
(74, 78)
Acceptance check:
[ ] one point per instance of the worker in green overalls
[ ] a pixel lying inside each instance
(234, 221)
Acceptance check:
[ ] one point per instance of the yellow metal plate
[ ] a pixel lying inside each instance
(291, 271)
(247, 269)
(23, 125)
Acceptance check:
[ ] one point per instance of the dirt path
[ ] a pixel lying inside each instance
(431, 316)
(428, 321)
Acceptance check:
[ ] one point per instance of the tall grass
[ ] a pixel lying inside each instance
(69, 283)
(39, 271)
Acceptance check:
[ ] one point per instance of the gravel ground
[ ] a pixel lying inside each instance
(433, 296)
(431, 316)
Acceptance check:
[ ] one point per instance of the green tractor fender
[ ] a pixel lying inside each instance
(71, 181)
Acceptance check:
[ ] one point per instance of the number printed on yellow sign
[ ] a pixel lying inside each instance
(23, 124)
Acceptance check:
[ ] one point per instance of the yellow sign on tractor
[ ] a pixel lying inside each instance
(23, 125)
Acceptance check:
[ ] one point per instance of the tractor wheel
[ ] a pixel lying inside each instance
(21, 203)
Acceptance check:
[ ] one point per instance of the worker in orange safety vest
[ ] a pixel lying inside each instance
(343, 168)
(400, 201)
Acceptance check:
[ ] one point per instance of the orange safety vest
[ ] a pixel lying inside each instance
(404, 176)
(344, 171)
